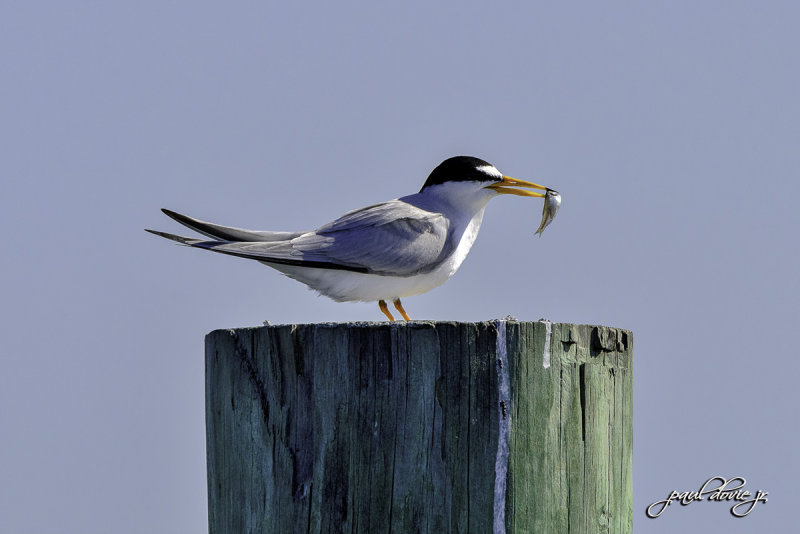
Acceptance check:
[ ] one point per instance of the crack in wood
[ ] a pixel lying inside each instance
(242, 354)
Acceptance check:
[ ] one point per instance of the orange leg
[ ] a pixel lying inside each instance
(399, 306)
(385, 309)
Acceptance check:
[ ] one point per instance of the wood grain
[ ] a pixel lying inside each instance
(377, 427)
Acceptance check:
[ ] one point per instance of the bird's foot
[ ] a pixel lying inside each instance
(399, 306)
(385, 309)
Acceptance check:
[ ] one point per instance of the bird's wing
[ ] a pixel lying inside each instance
(392, 238)
(228, 233)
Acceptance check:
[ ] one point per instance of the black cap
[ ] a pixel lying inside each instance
(460, 169)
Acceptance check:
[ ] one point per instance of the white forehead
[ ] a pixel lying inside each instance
(492, 171)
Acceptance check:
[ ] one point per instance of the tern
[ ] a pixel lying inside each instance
(382, 252)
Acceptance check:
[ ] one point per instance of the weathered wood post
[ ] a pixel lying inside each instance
(498, 426)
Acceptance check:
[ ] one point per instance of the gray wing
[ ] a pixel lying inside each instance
(388, 238)
(392, 238)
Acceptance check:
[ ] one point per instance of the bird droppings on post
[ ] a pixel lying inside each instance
(504, 430)
(546, 352)
(421, 426)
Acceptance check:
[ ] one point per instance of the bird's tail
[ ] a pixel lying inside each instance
(225, 233)
(177, 238)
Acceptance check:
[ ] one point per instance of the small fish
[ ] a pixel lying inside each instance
(552, 201)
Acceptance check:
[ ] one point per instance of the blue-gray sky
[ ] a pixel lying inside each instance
(670, 128)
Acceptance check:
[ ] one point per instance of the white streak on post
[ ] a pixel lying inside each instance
(548, 329)
(504, 419)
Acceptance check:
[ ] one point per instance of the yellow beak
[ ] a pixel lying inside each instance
(507, 184)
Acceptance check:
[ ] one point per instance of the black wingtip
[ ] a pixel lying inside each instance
(172, 237)
(160, 234)
(172, 214)
(183, 219)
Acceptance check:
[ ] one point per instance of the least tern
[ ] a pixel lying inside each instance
(383, 252)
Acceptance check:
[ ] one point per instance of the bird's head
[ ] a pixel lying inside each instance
(469, 176)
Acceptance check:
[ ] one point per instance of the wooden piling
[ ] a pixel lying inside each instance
(420, 427)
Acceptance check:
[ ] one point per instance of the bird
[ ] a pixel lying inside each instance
(383, 252)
